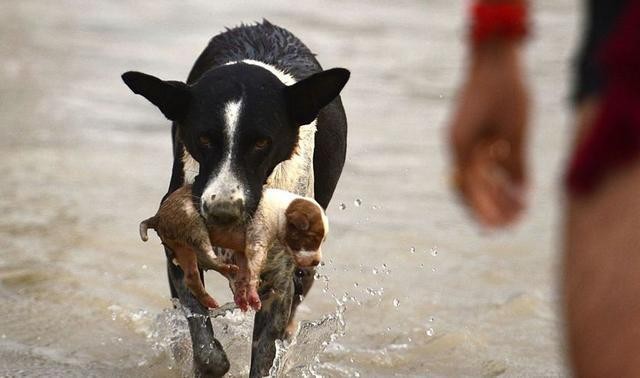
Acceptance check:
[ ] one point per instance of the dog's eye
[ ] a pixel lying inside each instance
(204, 141)
(262, 144)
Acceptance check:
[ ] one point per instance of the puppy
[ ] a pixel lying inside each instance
(299, 223)
(182, 229)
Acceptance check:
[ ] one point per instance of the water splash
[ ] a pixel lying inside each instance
(299, 357)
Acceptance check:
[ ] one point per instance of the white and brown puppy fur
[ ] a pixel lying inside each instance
(297, 222)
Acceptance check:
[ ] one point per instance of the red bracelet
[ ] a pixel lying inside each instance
(498, 21)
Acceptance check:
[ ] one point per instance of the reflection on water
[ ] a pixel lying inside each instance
(83, 161)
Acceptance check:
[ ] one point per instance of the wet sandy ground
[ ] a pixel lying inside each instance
(83, 161)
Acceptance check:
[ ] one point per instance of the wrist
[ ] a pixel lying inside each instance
(497, 54)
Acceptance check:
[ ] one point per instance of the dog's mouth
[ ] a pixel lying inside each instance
(225, 222)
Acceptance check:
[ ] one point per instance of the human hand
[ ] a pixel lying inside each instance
(487, 136)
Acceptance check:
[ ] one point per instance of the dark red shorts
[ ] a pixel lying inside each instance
(614, 138)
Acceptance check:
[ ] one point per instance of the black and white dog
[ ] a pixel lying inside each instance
(236, 121)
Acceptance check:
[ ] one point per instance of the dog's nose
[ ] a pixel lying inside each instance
(224, 213)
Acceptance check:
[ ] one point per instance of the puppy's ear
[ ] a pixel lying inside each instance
(171, 97)
(298, 220)
(307, 97)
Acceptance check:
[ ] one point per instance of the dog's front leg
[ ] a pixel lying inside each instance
(271, 321)
(209, 358)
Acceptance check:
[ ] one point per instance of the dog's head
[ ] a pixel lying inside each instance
(306, 229)
(238, 121)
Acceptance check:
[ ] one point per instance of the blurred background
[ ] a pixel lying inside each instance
(424, 291)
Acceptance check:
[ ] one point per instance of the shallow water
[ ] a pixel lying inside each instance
(423, 292)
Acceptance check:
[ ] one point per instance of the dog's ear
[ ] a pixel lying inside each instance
(307, 97)
(298, 220)
(171, 97)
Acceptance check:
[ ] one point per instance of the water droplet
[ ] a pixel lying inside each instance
(355, 284)
(357, 202)
(441, 96)
(434, 251)
(356, 374)
(374, 207)
(396, 302)
(374, 270)
(144, 266)
(430, 332)
(343, 206)
(409, 339)
(421, 266)
(431, 319)
(433, 269)
(388, 329)
(412, 249)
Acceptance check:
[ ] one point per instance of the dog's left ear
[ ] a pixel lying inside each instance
(171, 97)
(307, 97)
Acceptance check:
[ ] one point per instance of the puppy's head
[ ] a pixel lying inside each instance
(307, 228)
(238, 121)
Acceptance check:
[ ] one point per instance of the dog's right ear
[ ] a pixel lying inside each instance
(298, 220)
(171, 97)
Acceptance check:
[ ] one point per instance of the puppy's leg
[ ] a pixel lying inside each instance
(188, 261)
(271, 321)
(256, 254)
(209, 358)
(241, 282)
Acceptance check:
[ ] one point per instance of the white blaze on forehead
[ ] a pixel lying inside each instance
(225, 186)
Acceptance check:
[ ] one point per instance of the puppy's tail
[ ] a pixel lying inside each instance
(147, 224)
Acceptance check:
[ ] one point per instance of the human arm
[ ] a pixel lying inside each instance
(487, 133)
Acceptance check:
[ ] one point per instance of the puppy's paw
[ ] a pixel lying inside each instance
(254, 299)
(207, 301)
(240, 298)
(227, 269)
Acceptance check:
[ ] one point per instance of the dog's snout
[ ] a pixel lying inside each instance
(224, 212)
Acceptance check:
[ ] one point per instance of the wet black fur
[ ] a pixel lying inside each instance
(275, 46)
